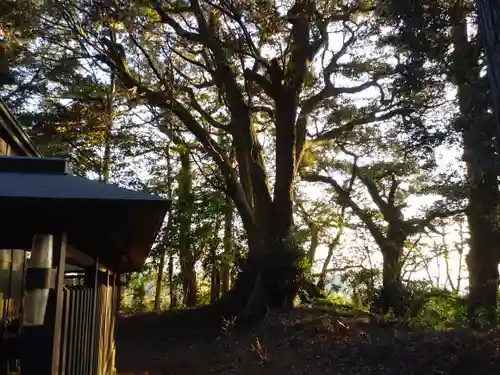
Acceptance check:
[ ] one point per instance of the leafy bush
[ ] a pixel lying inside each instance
(285, 273)
(441, 313)
(362, 285)
(444, 312)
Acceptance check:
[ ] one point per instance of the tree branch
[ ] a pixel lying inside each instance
(417, 225)
(165, 18)
(344, 197)
(371, 118)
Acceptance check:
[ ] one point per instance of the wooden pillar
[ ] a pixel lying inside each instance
(42, 321)
(103, 279)
(91, 281)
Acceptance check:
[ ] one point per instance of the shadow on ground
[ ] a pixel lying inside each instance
(305, 341)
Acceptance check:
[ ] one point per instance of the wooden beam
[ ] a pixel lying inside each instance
(79, 258)
(92, 281)
(58, 262)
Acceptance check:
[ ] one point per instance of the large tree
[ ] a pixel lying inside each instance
(268, 71)
(489, 31)
(425, 30)
(388, 182)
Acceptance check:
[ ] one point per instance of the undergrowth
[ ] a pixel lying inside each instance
(439, 313)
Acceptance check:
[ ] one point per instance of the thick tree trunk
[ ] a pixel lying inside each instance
(393, 293)
(264, 284)
(159, 283)
(479, 154)
(484, 279)
(482, 260)
(190, 287)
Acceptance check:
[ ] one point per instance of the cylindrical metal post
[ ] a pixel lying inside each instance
(38, 280)
(35, 335)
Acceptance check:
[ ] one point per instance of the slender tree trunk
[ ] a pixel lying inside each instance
(228, 255)
(172, 288)
(159, 283)
(311, 253)
(108, 130)
(166, 235)
(188, 272)
(215, 280)
(479, 154)
(324, 269)
(460, 253)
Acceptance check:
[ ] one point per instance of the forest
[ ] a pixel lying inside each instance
(332, 168)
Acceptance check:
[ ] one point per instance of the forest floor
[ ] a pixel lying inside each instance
(306, 341)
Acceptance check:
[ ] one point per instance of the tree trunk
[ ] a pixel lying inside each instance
(482, 260)
(393, 294)
(173, 294)
(215, 283)
(311, 253)
(324, 269)
(479, 154)
(188, 273)
(228, 255)
(331, 247)
(190, 287)
(215, 280)
(159, 283)
(460, 250)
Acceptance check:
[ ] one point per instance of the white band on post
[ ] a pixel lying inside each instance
(36, 296)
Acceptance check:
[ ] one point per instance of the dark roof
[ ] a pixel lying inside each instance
(14, 134)
(115, 224)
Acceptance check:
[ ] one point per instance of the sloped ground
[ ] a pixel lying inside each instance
(306, 341)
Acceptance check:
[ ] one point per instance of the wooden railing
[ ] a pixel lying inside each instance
(89, 307)
(79, 343)
(87, 344)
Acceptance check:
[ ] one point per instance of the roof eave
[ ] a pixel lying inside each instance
(16, 133)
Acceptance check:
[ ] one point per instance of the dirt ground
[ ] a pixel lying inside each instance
(305, 341)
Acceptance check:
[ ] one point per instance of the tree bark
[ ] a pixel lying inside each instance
(393, 293)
